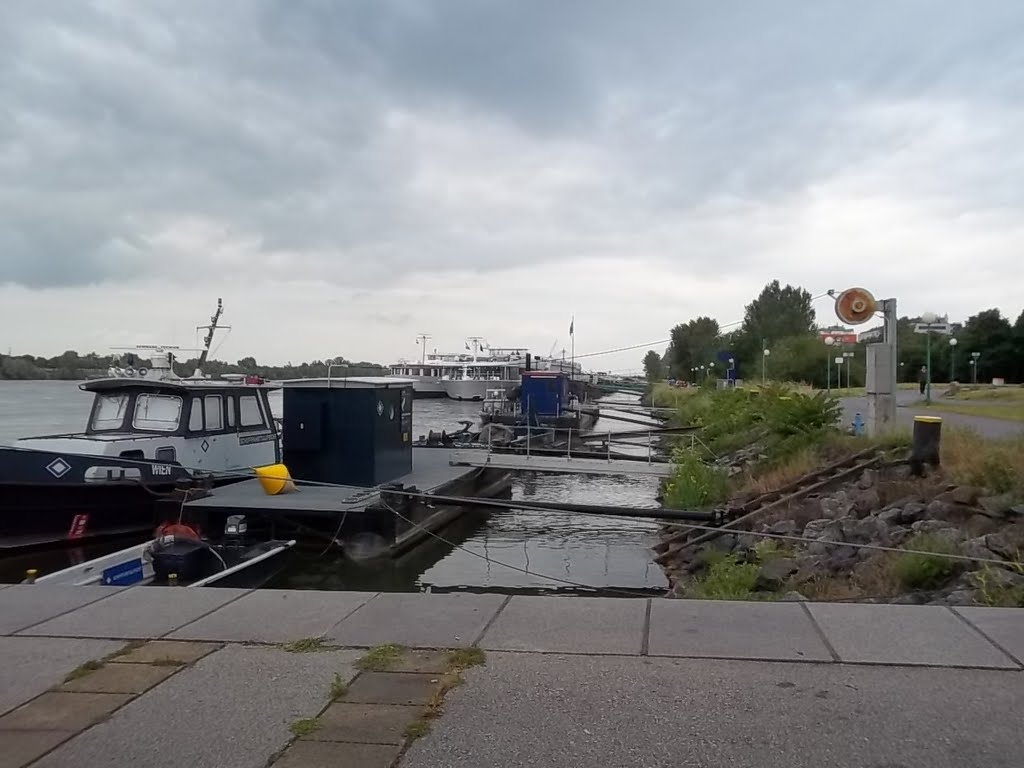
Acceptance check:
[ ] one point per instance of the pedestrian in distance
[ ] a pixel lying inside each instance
(922, 378)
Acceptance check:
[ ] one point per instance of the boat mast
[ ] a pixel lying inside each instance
(210, 330)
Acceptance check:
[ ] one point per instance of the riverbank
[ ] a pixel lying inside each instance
(815, 514)
(101, 676)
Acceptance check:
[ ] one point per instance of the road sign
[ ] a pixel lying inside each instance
(871, 336)
(944, 328)
(840, 337)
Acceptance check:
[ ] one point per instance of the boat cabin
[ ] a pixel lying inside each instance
(205, 424)
(544, 393)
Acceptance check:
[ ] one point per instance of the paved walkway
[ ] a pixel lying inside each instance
(908, 405)
(207, 677)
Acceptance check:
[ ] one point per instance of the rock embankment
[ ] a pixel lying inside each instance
(858, 542)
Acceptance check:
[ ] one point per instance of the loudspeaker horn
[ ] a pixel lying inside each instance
(855, 306)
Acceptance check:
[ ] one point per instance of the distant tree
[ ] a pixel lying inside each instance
(653, 368)
(777, 313)
(991, 334)
(693, 344)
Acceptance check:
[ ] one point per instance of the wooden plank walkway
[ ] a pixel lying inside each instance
(559, 464)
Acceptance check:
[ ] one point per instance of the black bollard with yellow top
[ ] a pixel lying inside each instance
(924, 448)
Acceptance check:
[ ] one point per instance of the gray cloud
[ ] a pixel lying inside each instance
(358, 142)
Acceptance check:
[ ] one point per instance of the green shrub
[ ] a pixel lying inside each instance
(918, 570)
(694, 484)
(727, 579)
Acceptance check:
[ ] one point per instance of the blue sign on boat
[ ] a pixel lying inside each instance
(123, 573)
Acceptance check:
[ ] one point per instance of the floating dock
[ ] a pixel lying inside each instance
(346, 510)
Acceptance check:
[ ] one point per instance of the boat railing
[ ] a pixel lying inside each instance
(623, 439)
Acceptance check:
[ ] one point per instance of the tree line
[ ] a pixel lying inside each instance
(782, 320)
(73, 366)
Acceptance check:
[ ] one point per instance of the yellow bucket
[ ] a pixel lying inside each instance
(275, 479)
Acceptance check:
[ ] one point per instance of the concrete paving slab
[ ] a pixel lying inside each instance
(162, 651)
(22, 605)
(525, 710)
(418, 620)
(231, 710)
(735, 630)
(392, 688)
(22, 747)
(569, 625)
(425, 661)
(904, 634)
(275, 616)
(330, 754)
(120, 678)
(58, 711)
(31, 665)
(139, 613)
(1003, 625)
(365, 723)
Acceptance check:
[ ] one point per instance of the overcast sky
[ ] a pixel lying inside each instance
(349, 174)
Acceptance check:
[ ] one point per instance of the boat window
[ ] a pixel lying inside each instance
(195, 417)
(158, 412)
(167, 453)
(109, 411)
(214, 413)
(231, 411)
(250, 414)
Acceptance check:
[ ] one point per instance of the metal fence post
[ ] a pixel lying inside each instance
(650, 447)
(527, 438)
(568, 445)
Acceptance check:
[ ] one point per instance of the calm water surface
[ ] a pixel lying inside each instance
(515, 551)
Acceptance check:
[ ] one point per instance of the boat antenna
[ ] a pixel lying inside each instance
(208, 340)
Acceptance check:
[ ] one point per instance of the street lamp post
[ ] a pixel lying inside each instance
(764, 365)
(849, 368)
(974, 367)
(711, 369)
(952, 359)
(829, 341)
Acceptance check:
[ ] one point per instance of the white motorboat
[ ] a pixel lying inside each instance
(148, 432)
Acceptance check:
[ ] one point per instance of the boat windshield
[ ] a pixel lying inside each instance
(159, 412)
(108, 413)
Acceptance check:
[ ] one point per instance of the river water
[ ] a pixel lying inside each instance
(513, 551)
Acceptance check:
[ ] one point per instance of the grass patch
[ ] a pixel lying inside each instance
(304, 727)
(727, 579)
(464, 658)
(1001, 411)
(778, 475)
(133, 645)
(666, 396)
(993, 591)
(771, 549)
(694, 484)
(381, 658)
(926, 568)
(82, 670)
(305, 645)
(1002, 394)
(338, 687)
(167, 662)
(417, 729)
(997, 465)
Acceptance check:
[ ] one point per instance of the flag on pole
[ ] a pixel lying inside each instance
(572, 323)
